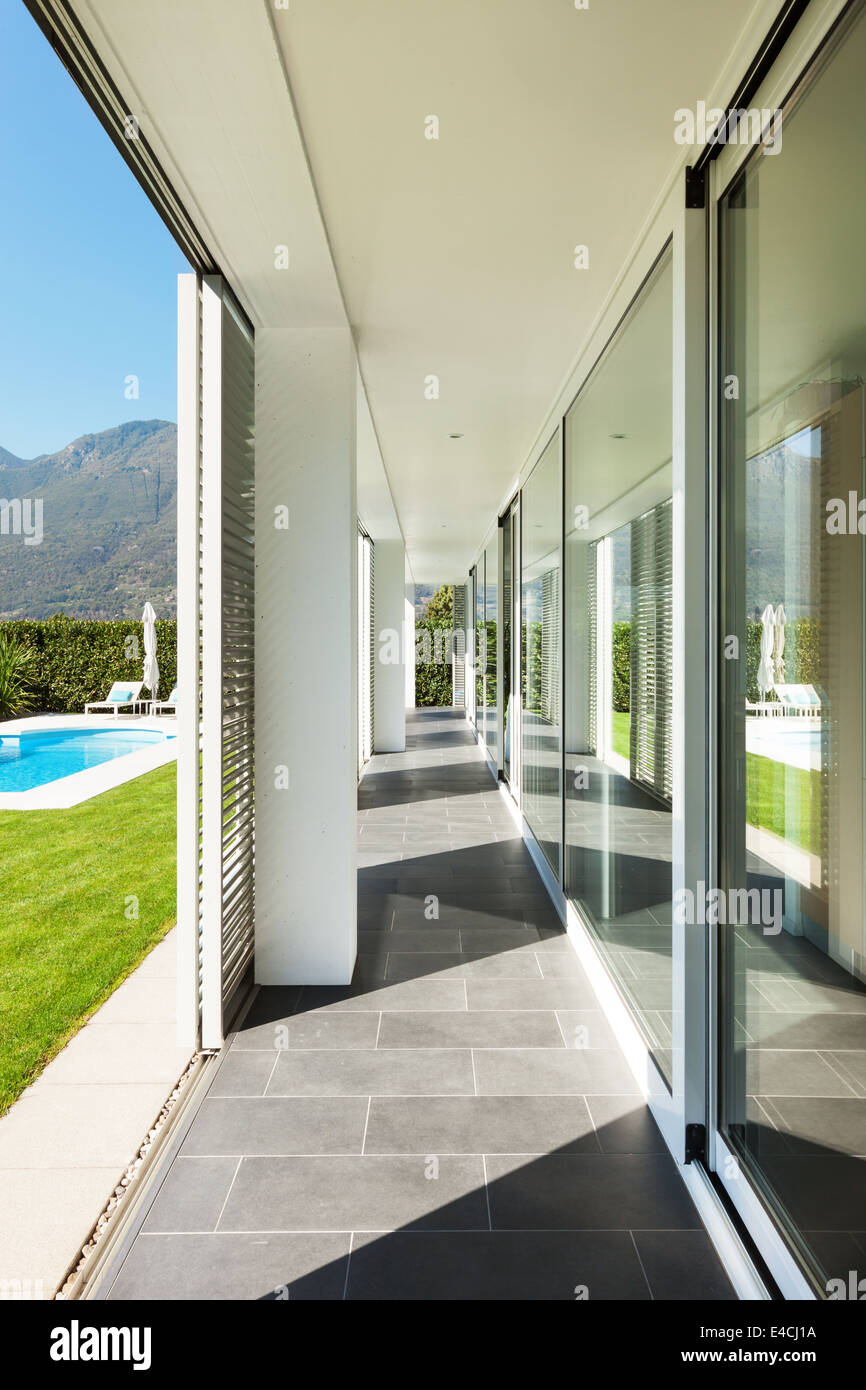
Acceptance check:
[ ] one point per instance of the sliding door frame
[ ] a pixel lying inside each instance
(785, 77)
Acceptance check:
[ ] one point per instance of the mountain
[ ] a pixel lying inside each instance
(423, 592)
(109, 526)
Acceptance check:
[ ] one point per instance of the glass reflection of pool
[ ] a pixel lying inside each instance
(775, 738)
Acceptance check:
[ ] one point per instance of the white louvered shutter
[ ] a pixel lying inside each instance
(652, 649)
(216, 626)
(458, 646)
(592, 648)
(366, 648)
(550, 645)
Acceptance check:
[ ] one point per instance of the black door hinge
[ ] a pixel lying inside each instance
(696, 1143)
(696, 186)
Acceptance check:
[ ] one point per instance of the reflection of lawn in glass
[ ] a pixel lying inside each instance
(785, 800)
(620, 732)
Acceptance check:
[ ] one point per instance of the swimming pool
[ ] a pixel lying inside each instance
(783, 741)
(34, 758)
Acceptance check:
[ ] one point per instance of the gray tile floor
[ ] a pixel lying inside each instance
(459, 1123)
(799, 1093)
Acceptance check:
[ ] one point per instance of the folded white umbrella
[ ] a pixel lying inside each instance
(779, 645)
(151, 667)
(765, 670)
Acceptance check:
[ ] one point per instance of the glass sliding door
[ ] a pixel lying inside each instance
(510, 648)
(541, 754)
(618, 658)
(480, 646)
(491, 620)
(792, 749)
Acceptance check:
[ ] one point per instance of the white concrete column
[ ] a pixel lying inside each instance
(389, 686)
(306, 672)
(409, 640)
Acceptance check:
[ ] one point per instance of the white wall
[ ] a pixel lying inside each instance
(306, 674)
(389, 688)
(409, 640)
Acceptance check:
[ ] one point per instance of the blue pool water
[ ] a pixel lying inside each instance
(773, 739)
(31, 759)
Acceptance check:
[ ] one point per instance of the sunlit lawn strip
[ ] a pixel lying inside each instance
(70, 885)
(785, 800)
(621, 730)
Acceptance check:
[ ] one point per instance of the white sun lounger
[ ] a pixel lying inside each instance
(122, 695)
(799, 699)
(169, 705)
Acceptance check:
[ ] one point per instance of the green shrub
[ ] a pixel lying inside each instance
(532, 667)
(433, 684)
(802, 654)
(75, 660)
(15, 672)
(433, 678)
(621, 661)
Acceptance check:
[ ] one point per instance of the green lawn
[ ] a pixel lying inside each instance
(620, 728)
(68, 934)
(785, 800)
(780, 798)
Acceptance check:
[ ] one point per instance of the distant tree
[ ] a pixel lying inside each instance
(433, 676)
(440, 607)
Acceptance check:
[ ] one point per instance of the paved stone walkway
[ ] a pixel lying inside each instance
(459, 1123)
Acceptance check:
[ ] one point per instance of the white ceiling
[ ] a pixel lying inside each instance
(454, 257)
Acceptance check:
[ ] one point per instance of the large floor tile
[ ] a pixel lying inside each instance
(243, 1073)
(682, 1265)
(774, 1072)
(233, 1267)
(421, 938)
(624, 1125)
(821, 1125)
(548, 1072)
(402, 995)
(316, 1031)
(192, 1195)
(497, 1266)
(516, 1028)
(480, 1124)
(278, 1125)
(379, 1072)
(509, 965)
(560, 1192)
(530, 994)
(357, 1194)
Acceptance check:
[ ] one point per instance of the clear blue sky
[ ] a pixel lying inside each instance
(88, 272)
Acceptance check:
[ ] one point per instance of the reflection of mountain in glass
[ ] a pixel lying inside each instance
(783, 517)
(620, 562)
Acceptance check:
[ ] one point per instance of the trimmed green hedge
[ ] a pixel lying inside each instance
(432, 678)
(621, 661)
(802, 654)
(802, 657)
(76, 660)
